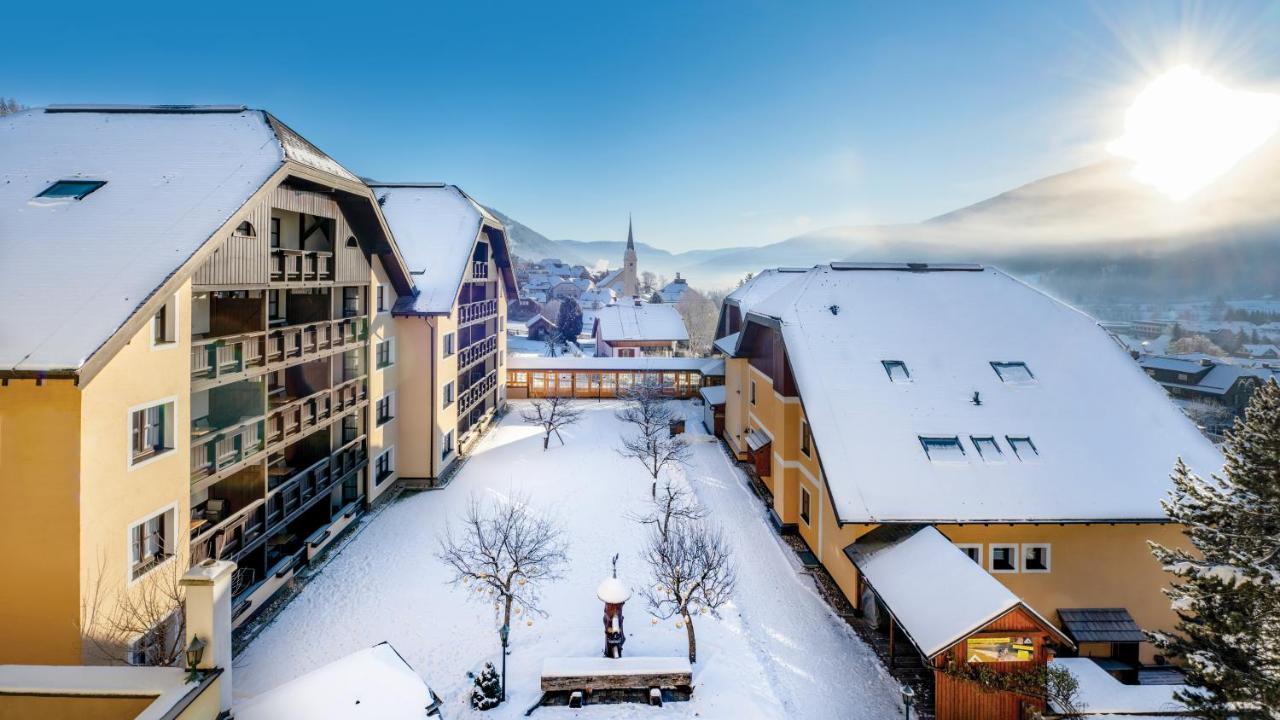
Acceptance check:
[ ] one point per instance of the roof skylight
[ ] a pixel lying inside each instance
(942, 449)
(897, 370)
(988, 448)
(74, 189)
(1013, 372)
(1023, 447)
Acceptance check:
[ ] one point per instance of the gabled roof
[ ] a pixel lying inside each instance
(762, 285)
(73, 272)
(436, 227)
(643, 322)
(910, 567)
(1105, 436)
(372, 683)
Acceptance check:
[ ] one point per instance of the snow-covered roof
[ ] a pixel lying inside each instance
(674, 290)
(714, 366)
(1105, 437)
(73, 271)
(728, 344)
(1175, 363)
(643, 322)
(762, 285)
(713, 394)
(371, 683)
(587, 362)
(1101, 694)
(436, 227)
(168, 685)
(610, 278)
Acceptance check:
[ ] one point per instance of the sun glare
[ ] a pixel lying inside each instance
(1185, 129)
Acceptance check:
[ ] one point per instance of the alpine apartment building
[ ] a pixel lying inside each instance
(201, 358)
(887, 407)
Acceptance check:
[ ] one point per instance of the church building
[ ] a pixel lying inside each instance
(624, 281)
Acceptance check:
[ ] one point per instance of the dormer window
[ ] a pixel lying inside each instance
(896, 370)
(1023, 447)
(942, 449)
(1013, 372)
(74, 189)
(988, 449)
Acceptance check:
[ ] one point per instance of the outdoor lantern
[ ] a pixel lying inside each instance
(195, 653)
(908, 695)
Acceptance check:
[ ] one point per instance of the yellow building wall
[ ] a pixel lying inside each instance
(444, 419)
(414, 350)
(115, 494)
(382, 381)
(40, 522)
(66, 707)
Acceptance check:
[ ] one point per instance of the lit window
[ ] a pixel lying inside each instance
(1023, 447)
(988, 448)
(1035, 557)
(804, 506)
(942, 449)
(74, 189)
(973, 550)
(1004, 558)
(1013, 372)
(150, 543)
(897, 370)
(151, 432)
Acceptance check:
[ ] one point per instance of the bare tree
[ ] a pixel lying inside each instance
(9, 106)
(551, 414)
(693, 573)
(700, 316)
(672, 506)
(653, 444)
(506, 551)
(144, 624)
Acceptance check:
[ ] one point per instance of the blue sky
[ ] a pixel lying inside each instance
(736, 123)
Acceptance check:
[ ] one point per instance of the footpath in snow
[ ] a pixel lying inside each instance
(777, 651)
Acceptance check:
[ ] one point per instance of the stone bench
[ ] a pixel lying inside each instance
(591, 674)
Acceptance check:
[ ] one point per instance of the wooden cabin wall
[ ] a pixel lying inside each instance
(958, 699)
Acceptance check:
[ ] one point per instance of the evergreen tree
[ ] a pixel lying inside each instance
(1227, 592)
(487, 693)
(569, 320)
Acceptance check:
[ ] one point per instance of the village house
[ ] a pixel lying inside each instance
(639, 329)
(888, 407)
(1207, 379)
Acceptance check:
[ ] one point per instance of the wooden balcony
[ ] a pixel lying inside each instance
(296, 342)
(217, 358)
(479, 270)
(218, 452)
(472, 395)
(477, 311)
(301, 266)
(476, 352)
(232, 535)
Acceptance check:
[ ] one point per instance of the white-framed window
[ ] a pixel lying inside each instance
(382, 298)
(806, 440)
(151, 430)
(386, 409)
(148, 648)
(447, 394)
(1003, 557)
(1023, 447)
(942, 449)
(151, 542)
(164, 326)
(385, 353)
(805, 503)
(1035, 557)
(1013, 372)
(447, 345)
(973, 550)
(987, 447)
(384, 466)
(446, 446)
(896, 370)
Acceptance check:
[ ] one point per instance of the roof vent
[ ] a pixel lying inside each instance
(977, 398)
(382, 199)
(835, 309)
(1206, 362)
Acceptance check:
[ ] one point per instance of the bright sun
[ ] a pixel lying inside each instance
(1185, 129)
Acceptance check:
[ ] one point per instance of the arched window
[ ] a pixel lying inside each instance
(351, 241)
(246, 228)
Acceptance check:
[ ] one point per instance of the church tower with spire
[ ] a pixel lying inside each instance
(630, 284)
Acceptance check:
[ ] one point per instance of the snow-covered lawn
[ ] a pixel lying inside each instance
(777, 651)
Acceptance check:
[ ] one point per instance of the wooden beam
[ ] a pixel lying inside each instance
(892, 655)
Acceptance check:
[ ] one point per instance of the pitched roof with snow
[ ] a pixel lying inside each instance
(1103, 437)
(371, 683)
(73, 271)
(643, 322)
(1102, 694)
(762, 285)
(910, 568)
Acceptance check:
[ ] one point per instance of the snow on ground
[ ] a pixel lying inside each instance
(777, 651)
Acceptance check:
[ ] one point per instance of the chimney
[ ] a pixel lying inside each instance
(208, 605)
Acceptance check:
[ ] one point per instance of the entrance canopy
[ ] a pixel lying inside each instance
(937, 594)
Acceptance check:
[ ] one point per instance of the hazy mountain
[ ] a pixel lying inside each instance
(1093, 235)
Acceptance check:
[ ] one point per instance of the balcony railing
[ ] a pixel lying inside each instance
(290, 497)
(470, 354)
(217, 357)
(288, 265)
(476, 311)
(215, 452)
(230, 536)
(476, 392)
(297, 341)
(479, 270)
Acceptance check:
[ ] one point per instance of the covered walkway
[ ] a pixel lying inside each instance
(606, 377)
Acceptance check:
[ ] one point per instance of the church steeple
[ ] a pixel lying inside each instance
(631, 240)
(630, 280)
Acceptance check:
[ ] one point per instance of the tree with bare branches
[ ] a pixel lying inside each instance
(700, 316)
(693, 573)
(653, 444)
(144, 624)
(551, 414)
(505, 551)
(674, 505)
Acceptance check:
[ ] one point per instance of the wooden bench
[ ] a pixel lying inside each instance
(582, 676)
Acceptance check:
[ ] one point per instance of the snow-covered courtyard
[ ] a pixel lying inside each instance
(777, 650)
